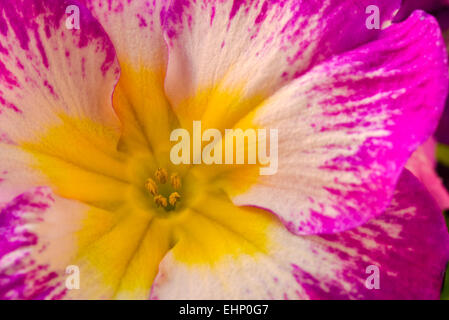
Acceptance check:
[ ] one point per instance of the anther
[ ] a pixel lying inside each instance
(161, 175)
(151, 186)
(160, 201)
(173, 198)
(175, 181)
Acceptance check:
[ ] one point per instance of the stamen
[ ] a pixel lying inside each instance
(160, 201)
(161, 175)
(175, 181)
(164, 196)
(173, 198)
(151, 186)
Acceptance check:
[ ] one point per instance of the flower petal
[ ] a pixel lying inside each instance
(58, 129)
(55, 99)
(423, 165)
(226, 56)
(409, 238)
(48, 71)
(26, 243)
(135, 28)
(347, 128)
(89, 176)
(117, 255)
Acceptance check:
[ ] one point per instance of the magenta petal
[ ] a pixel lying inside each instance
(49, 72)
(409, 244)
(348, 126)
(21, 276)
(259, 44)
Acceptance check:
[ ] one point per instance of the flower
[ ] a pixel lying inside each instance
(88, 182)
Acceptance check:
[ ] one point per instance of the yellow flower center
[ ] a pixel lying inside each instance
(165, 194)
(135, 205)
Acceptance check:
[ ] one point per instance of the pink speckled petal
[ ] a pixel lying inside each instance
(135, 28)
(255, 47)
(44, 238)
(48, 72)
(409, 245)
(53, 78)
(27, 268)
(347, 128)
(409, 238)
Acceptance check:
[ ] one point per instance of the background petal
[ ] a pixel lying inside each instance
(423, 165)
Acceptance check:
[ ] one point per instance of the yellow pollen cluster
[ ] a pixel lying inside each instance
(161, 178)
(160, 201)
(173, 198)
(175, 181)
(161, 175)
(151, 186)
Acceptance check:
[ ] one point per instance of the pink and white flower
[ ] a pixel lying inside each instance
(85, 121)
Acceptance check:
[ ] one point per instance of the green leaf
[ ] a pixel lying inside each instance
(445, 292)
(443, 154)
